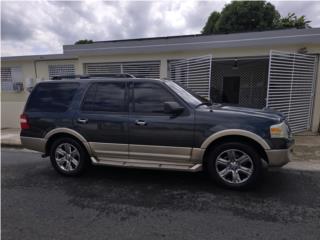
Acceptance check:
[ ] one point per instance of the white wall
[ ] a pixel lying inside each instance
(316, 105)
(10, 114)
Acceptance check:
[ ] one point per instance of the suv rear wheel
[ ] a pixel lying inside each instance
(235, 165)
(68, 157)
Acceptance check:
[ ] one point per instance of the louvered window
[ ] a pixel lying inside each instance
(61, 70)
(102, 68)
(146, 69)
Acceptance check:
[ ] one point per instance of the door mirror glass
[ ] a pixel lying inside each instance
(172, 108)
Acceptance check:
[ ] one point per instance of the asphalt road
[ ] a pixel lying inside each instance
(115, 203)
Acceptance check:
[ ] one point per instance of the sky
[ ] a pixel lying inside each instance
(43, 27)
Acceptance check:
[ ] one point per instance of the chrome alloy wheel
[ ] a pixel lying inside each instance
(234, 166)
(67, 157)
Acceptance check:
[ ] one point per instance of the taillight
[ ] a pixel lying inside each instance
(24, 121)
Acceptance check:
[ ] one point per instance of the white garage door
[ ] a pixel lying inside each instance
(291, 87)
(194, 73)
(145, 69)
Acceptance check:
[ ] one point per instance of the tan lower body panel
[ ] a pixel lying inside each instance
(36, 144)
(147, 156)
(160, 153)
(110, 150)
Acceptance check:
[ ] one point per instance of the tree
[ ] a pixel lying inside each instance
(292, 21)
(83, 41)
(211, 23)
(247, 16)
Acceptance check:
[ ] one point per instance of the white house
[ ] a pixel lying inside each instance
(278, 69)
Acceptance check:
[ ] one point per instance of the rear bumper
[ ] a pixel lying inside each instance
(36, 144)
(279, 157)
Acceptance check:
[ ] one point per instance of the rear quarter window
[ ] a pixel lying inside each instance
(52, 97)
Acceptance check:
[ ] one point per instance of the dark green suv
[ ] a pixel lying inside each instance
(149, 123)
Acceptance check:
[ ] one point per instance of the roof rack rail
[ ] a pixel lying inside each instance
(114, 75)
(60, 77)
(88, 76)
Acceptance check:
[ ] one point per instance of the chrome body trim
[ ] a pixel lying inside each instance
(138, 163)
(237, 132)
(36, 144)
(71, 132)
(279, 157)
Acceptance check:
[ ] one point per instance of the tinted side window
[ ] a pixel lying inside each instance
(150, 98)
(106, 97)
(52, 97)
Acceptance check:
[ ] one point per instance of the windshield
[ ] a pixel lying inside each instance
(187, 94)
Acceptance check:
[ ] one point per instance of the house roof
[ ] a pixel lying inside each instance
(197, 42)
(42, 57)
(182, 43)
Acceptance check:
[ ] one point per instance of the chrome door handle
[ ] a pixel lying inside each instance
(82, 120)
(141, 122)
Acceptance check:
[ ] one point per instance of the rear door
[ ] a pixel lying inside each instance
(153, 134)
(103, 119)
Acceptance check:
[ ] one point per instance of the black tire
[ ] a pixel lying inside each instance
(82, 157)
(253, 163)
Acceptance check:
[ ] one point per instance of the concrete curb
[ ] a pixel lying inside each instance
(303, 166)
(11, 145)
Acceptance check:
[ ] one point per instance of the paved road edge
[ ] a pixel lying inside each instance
(293, 165)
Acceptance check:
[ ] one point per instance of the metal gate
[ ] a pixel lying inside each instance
(194, 73)
(291, 87)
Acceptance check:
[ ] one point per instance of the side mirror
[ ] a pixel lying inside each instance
(173, 108)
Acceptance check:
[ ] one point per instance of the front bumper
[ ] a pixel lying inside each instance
(279, 157)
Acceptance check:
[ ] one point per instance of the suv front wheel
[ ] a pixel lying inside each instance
(235, 165)
(68, 157)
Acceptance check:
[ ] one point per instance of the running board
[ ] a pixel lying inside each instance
(135, 163)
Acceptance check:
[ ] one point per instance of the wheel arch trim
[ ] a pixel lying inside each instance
(69, 131)
(235, 132)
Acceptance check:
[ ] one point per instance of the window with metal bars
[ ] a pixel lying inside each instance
(61, 70)
(141, 69)
(10, 76)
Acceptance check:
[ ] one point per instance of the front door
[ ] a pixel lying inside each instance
(231, 88)
(153, 134)
(103, 120)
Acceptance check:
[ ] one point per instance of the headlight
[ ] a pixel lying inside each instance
(280, 130)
